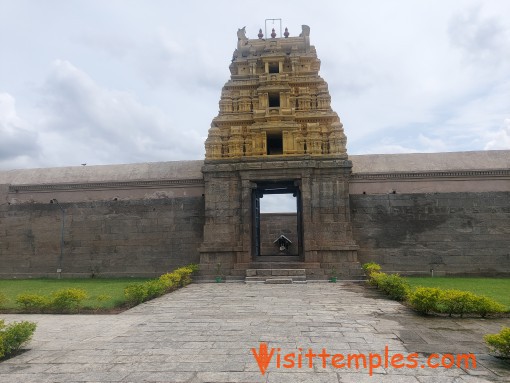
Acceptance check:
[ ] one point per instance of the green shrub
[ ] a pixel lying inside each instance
(453, 301)
(394, 286)
(458, 302)
(499, 343)
(424, 299)
(483, 305)
(14, 336)
(371, 267)
(375, 278)
(135, 293)
(32, 302)
(155, 288)
(184, 276)
(171, 281)
(67, 300)
(179, 277)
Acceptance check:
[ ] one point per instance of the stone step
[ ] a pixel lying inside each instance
(269, 279)
(275, 272)
(278, 265)
(280, 280)
(277, 258)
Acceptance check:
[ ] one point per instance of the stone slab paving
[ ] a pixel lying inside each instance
(204, 333)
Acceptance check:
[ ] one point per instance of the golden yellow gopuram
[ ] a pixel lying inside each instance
(275, 103)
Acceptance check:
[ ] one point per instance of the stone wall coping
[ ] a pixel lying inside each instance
(430, 162)
(492, 163)
(504, 173)
(106, 185)
(150, 171)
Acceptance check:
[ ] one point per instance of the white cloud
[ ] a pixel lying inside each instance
(85, 122)
(481, 38)
(17, 141)
(145, 79)
(500, 139)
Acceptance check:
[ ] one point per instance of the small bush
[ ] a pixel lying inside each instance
(371, 267)
(32, 302)
(179, 277)
(67, 300)
(154, 288)
(483, 305)
(394, 286)
(499, 343)
(14, 336)
(458, 302)
(135, 293)
(375, 278)
(170, 280)
(424, 299)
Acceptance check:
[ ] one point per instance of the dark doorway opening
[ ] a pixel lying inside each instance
(274, 67)
(276, 215)
(274, 100)
(274, 143)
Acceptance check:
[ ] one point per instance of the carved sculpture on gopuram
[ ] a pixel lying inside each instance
(275, 103)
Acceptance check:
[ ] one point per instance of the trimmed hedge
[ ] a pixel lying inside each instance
(499, 343)
(424, 299)
(371, 267)
(394, 286)
(60, 301)
(427, 300)
(14, 336)
(137, 293)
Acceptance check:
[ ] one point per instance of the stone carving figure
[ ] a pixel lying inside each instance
(241, 33)
(305, 31)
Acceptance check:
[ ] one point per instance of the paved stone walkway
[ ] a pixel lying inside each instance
(204, 333)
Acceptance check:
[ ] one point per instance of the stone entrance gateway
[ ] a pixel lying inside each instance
(276, 187)
(276, 131)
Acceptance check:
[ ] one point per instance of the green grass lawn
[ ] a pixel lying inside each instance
(495, 288)
(111, 290)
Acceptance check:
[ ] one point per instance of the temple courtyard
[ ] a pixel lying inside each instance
(218, 332)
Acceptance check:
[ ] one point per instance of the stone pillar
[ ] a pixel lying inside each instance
(328, 231)
(223, 226)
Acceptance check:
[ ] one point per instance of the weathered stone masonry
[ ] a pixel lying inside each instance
(450, 233)
(275, 133)
(452, 221)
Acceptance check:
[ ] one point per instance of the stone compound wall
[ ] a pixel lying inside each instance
(145, 219)
(272, 225)
(103, 238)
(451, 233)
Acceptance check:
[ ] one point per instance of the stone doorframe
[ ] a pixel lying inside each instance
(261, 188)
(323, 186)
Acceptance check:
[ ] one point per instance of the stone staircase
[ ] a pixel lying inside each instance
(283, 269)
(275, 275)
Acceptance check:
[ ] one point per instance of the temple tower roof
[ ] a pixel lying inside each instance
(275, 103)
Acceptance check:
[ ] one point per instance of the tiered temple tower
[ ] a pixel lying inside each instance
(276, 133)
(275, 104)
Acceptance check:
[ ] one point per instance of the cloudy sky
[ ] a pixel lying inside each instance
(105, 81)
